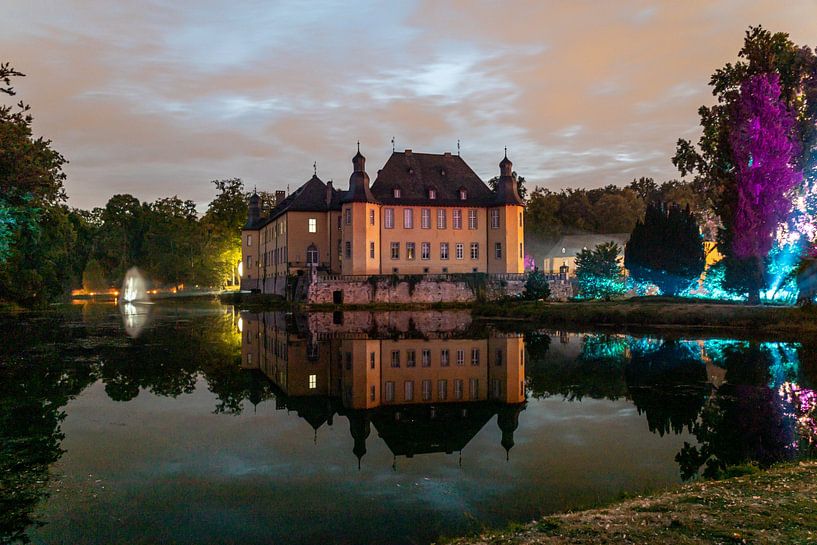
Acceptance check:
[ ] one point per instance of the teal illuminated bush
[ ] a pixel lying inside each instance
(599, 273)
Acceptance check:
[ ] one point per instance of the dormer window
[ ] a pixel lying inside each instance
(432, 193)
(396, 192)
(463, 194)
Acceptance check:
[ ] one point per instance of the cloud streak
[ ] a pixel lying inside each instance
(155, 98)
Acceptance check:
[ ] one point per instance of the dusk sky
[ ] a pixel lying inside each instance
(157, 98)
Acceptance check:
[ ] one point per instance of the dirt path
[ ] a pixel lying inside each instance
(778, 506)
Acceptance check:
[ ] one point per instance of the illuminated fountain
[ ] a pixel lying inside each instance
(134, 302)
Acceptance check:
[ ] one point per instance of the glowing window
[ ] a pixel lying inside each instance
(313, 225)
(313, 382)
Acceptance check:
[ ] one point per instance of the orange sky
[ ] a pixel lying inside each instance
(157, 98)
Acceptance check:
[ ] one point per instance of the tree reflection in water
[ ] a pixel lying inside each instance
(744, 402)
(741, 401)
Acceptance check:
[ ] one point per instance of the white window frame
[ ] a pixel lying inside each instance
(473, 219)
(425, 218)
(408, 218)
(425, 251)
(388, 218)
(494, 218)
(444, 251)
(410, 251)
(475, 250)
(459, 251)
(395, 250)
(456, 218)
(441, 218)
(426, 361)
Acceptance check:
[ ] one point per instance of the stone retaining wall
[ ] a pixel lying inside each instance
(388, 289)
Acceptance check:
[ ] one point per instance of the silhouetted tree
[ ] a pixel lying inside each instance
(666, 249)
(536, 286)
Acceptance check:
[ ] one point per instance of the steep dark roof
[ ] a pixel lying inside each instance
(417, 431)
(310, 197)
(415, 173)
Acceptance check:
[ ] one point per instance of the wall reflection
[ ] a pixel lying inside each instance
(427, 381)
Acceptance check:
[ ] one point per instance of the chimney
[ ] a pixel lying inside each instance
(447, 154)
(408, 153)
(279, 197)
(329, 192)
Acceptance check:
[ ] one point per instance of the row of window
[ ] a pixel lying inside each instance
(426, 390)
(425, 218)
(425, 250)
(444, 359)
(280, 227)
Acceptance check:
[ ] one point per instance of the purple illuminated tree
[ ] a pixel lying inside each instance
(764, 152)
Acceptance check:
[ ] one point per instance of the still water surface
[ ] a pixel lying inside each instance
(203, 424)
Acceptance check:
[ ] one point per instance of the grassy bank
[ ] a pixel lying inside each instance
(657, 312)
(768, 507)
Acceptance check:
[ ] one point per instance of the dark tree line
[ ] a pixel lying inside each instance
(610, 209)
(47, 248)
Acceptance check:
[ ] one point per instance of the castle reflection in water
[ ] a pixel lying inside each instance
(427, 381)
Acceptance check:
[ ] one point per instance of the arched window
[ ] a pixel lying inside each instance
(312, 254)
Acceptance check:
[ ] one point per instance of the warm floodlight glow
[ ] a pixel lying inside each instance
(240, 268)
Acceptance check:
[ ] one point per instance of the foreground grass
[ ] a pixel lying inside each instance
(769, 507)
(658, 312)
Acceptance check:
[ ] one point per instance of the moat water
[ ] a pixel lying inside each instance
(197, 423)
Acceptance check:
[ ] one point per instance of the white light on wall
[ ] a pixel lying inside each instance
(240, 268)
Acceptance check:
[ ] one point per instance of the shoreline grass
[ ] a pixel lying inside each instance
(774, 506)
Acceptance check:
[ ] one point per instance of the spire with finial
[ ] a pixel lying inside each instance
(506, 188)
(458, 147)
(315, 168)
(392, 144)
(359, 181)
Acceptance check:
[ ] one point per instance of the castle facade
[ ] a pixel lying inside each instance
(424, 214)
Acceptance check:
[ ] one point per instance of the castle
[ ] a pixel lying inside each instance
(424, 214)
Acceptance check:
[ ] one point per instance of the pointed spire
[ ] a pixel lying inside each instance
(315, 168)
(458, 147)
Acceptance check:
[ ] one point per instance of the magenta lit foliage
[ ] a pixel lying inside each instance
(530, 263)
(763, 149)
